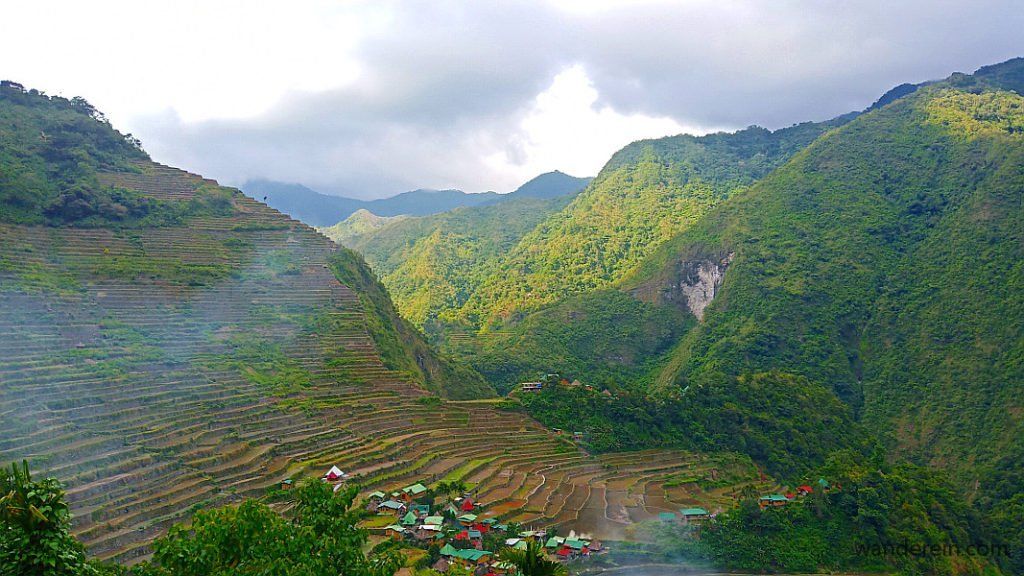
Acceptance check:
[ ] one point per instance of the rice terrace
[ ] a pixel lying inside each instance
(540, 288)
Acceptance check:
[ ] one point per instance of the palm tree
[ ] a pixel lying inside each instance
(532, 561)
(457, 487)
(444, 488)
(450, 488)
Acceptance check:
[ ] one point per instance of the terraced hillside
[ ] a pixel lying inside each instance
(158, 370)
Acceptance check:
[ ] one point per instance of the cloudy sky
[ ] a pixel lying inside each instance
(377, 97)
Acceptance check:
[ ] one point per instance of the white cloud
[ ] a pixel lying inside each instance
(566, 129)
(199, 59)
(373, 97)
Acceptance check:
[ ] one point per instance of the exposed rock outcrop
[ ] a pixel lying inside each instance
(699, 282)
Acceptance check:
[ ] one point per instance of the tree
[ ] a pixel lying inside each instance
(320, 539)
(34, 523)
(454, 487)
(532, 561)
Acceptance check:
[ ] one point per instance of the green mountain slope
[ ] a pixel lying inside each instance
(647, 193)
(360, 223)
(400, 344)
(817, 247)
(605, 337)
(433, 264)
(884, 262)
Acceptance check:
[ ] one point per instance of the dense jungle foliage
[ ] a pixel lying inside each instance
(866, 517)
(647, 193)
(606, 337)
(432, 264)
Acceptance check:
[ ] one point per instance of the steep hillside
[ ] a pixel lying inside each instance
(605, 337)
(167, 344)
(810, 255)
(361, 223)
(885, 263)
(402, 346)
(647, 193)
(433, 264)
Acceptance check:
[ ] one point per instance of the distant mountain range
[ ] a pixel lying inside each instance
(317, 209)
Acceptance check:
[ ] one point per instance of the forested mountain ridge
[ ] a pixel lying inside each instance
(360, 223)
(886, 263)
(646, 193)
(317, 209)
(433, 264)
(880, 265)
(551, 313)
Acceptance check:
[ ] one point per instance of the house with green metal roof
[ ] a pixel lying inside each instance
(554, 542)
(415, 489)
(575, 544)
(378, 495)
(435, 520)
(467, 519)
(392, 506)
(471, 555)
(694, 514)
(772, 500)
(409, 519)
(448, 550)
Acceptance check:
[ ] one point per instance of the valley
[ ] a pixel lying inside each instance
(811, 338)
(162, 370)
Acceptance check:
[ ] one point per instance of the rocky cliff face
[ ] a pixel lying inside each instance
(692, 286)
(699, 282)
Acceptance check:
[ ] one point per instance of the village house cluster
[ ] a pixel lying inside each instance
(461, 532)
(549, 380)
(776, 500)
(459, 528)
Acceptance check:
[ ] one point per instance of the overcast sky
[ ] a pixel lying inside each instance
(374, 98)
